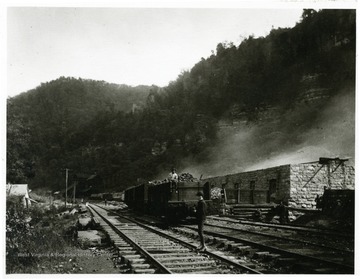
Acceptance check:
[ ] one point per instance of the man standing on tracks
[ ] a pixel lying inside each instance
(201, 217)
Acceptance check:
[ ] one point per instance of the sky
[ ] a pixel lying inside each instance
(133, 43)
(130, 46)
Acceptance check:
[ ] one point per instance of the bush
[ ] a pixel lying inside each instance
(31, 235)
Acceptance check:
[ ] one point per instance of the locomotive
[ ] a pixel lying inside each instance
(174, 201)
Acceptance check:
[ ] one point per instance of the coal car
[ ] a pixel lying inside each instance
(173, 201)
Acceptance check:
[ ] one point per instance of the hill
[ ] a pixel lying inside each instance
(285, 97)
(42, 121)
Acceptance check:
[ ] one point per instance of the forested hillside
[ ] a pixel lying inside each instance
(276, 94)
(43, 123)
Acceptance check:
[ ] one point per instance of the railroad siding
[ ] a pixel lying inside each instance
(310, 179)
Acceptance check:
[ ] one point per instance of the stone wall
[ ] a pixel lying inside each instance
(254, 186)
(310, 179)
(297, 185)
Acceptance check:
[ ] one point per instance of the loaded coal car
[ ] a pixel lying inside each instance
(174, 201)
(136, 197)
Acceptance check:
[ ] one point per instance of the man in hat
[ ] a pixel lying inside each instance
(201, 217)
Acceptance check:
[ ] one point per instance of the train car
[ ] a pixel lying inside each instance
(107, 196)
(129, 196)
(167, 199)
(97, 196)
(136, 197)
(118, 196)
(339, 203)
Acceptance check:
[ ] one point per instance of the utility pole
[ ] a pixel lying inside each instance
(74, 192)
(66, 185)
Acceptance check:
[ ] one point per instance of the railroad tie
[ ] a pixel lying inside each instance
(119, 242)
(154, 249)
(124, 248)
(141, 266)
(195, 269)
(144, 271)
(241, 248)
(324, 270)
(285, 261)
(129, 252)
(220, 241)
(191, 264)
(191, 257)
(229, 244)
(179, 254)
(132, 256)
(135, 261)
(261, 254)
(272, 256)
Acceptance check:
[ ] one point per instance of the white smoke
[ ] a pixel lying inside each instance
(303, 134)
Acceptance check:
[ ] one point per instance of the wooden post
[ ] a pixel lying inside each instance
(74, 192)
(66, 184)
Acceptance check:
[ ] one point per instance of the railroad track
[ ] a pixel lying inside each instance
(299, 228)
(145, 249)
(297, 256)
(342, 242)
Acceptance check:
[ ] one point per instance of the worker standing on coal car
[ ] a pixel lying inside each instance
(173, 177)
(201, 217)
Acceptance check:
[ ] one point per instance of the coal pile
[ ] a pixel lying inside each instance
(157, 182)
(184, 177)
(187, 177)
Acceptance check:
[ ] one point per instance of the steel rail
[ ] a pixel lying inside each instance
(188, 245)
(288, 227)
(276, 249)
(135, 245)
(281, 237)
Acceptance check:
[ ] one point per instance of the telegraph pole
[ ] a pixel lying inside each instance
(66, 185)
(74, 193)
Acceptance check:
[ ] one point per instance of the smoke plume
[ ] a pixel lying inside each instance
(300, 135)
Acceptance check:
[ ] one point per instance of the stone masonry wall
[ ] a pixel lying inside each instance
(310, 179)
(254, 186)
